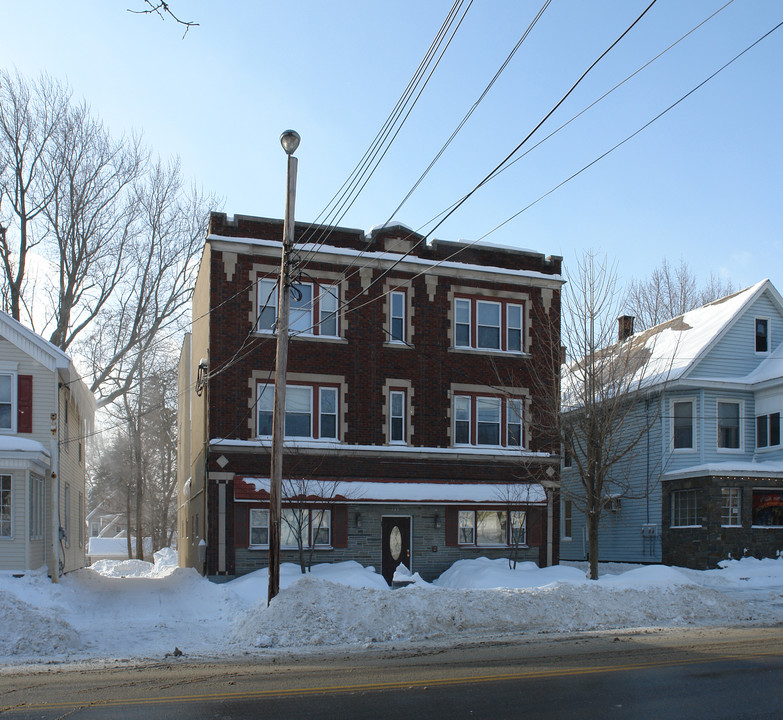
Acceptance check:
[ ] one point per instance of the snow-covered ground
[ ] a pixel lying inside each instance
(133, 610)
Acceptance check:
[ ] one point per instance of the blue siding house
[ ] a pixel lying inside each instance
(705, 482)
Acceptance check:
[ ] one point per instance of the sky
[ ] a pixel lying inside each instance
(700, 184)
(135, 610)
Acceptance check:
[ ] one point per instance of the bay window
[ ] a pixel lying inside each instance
(682, 425)
(684, 509)
(768, 430)
(729, 425)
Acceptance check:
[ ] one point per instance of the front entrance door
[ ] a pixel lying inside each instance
(395, 545)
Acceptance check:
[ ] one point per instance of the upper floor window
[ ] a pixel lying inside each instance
(567, 515)
(729, 425)
(397, 316)
(397, 416)
(310, 411)
(6, 401)
(487, 325)
(762, 335)
(313, 310)
(484, 420)
(768, 430)
(682, 424)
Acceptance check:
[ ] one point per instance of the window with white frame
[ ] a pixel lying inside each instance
(6, 507)
(313, 526)
(6, 401)
(730, 514)
(310, 411)
(729, 435)
(682, 424)
(492, 527)
(67, 515)
(37, 507)
(768, 430)
(81, 520)
(488, 325)
(487, 420)
(259, 526)
(762, 335)
(314, 308)
(684, 510)
(397, 316)
(397, 415)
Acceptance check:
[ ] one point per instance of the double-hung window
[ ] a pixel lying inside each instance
(314, 308)
(768, 430)
(37, 507)
(488, 325)
(487, 420)
(310, 412)
(730, 515)
(6, 401)
(259, 527)
(729, 436)
(682, 424)
(397, 416)
(397, 316)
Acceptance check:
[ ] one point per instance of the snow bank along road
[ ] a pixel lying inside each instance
(134, 611)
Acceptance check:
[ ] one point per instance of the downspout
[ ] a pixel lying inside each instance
(55, 505)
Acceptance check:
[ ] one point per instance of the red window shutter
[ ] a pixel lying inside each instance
(452, 522)
(24, 404)
(241, 522)
(340, 526)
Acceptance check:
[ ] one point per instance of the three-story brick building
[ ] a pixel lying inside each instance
(417, 378)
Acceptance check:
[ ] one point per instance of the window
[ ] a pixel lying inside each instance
(730, 515)
(767, 507)
(397, 416)
(312, 526)
(682, 425)
(488, 325)
(81, 520)
(684, 509)
(568, 516)
(259, 527)
(768, 430)
(762, 335)
(568, 460)
(729, 425)
(6, 509)
(313, 309)
(397, 316)
(491, 421)
(491, 527)
(37, 507)
(6, 402)
(67, 515)
(66, 423)
(299, 411)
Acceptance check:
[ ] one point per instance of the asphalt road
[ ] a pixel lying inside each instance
(693, 673)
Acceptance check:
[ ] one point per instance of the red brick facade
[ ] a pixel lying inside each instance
(360, 366)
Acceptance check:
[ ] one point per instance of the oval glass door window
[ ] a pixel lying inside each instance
(395, 543)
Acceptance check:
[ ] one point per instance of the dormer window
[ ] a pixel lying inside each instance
(762, 335)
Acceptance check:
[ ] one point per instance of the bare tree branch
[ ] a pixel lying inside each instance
(162, 9)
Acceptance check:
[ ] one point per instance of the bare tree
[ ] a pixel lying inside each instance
(670, 291)
(605, 410)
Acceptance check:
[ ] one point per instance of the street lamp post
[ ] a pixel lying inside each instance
(290, 142)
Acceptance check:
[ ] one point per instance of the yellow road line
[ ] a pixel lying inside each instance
(395, 685)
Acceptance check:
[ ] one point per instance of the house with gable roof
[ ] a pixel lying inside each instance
(707, 477)
(46, 411)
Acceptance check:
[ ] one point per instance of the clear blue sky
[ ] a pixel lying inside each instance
(703, 183)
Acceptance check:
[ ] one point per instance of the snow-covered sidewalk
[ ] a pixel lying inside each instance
(135, 610)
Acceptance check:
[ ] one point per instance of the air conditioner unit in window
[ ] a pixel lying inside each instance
(613, 504)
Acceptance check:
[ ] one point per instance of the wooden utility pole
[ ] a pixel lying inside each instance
(290, 141)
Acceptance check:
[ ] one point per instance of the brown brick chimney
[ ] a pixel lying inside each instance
(624, 327)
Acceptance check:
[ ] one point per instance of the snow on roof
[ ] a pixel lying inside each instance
(14, 443)
(728, 469)
(668, 351)
(369, 491)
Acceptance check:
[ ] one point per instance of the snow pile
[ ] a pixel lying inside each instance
(132, 609)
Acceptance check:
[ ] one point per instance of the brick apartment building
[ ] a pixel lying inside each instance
(417, 378)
